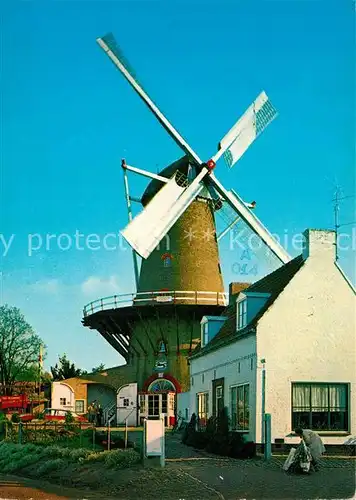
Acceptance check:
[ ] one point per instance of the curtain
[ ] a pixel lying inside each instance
(301, 397)
(319, 397)
(337, 397)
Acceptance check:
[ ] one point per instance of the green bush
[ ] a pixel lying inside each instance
(122, 458)
(15, 418)
(4, 423)
(118, 459)
(217, 438)
(68, 453)
(14, 457)
(51, 466)
(189, 431)
(40, 415)
(97, 457)
(69, 419)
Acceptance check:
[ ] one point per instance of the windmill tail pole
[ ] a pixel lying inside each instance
(129, 212)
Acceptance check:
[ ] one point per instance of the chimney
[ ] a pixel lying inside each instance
(319, 243)
(235, 288)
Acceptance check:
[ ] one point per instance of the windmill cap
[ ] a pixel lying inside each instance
(154, 186)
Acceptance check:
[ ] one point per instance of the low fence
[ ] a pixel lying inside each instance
(47, 432)
(73, 435)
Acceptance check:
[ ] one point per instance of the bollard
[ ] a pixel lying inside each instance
(267, 433)
(125, 434)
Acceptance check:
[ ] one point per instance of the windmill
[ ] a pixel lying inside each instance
(148, 228)
(157, 328)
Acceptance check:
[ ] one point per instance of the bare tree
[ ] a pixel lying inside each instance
(19, 347)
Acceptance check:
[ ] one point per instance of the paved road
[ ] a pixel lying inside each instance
(232, 480)
(255, 479)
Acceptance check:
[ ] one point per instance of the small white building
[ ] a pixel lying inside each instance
(298, 326)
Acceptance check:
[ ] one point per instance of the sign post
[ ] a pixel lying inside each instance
(154, 442)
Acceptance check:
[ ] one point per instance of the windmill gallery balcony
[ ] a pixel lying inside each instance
(139, 316)
(155, 298)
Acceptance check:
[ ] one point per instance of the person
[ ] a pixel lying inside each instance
(91, 412)
(314, 445)
(99, 415)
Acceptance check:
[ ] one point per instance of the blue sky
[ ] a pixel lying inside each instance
(68, 117)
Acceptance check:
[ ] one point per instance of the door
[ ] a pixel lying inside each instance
(127, 404)
(218, 396)
(154, 405)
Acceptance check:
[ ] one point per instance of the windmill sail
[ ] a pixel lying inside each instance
(237, 204)
(109, 45)
(150, 226)
(247, 129)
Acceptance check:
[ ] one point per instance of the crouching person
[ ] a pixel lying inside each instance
(314, 444)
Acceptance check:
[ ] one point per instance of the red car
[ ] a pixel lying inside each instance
(26, 417)
(52, 414)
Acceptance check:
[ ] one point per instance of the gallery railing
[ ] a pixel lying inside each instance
(157, 297)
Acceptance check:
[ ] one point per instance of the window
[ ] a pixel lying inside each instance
(63, 401)
(205, 334)
(240, 413)
(167, 259)
(79, 406)
(219, 399)
(241, 314)
(142, 403)
(126, 402)
(167, 262)
(203, 405)
(322, 407)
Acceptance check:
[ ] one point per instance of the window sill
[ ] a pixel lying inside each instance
(326, 433)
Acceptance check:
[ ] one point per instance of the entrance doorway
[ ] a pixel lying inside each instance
(160, 399)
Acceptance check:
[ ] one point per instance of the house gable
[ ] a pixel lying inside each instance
(308, 336)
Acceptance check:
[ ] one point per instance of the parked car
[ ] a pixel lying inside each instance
(26, 417)
(53, 414)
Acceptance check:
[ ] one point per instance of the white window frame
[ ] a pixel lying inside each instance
(204, 333)
(241, 312)
(75, 406)
(61, 403)
(231, 390)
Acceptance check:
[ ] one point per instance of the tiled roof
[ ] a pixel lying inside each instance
(274, 283)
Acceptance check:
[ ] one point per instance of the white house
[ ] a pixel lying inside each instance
(297, 325)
